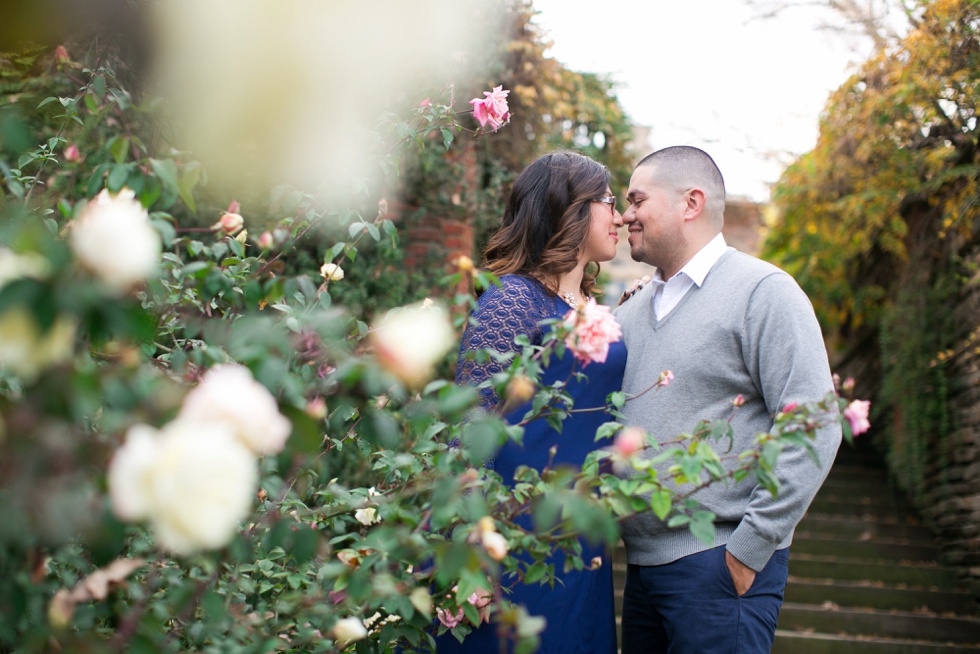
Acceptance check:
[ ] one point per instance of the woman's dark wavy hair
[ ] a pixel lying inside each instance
(547, 218)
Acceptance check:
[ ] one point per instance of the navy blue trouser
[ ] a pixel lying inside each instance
(690, 606)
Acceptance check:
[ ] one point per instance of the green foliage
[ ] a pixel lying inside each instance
(916, 339)
(896, 159)
(875, 221)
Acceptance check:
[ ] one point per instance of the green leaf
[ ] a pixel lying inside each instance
(196, 269)
(118, 147)
(117, 177)
(166, 170)
(96, 181)
(188, 182)
(536, 572)
(617, 399)
(606, 430)
(98, 85)
(702, 527)
(660, 503)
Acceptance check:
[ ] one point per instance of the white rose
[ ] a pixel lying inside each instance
(15, 266)
(409, 341)
(25, 350)
(113, 237)
(203, 484)
(349, 629)
(495, 545)
(130, 474)
(228, 393)
(194, 482)
(367, 516)
(331, 272)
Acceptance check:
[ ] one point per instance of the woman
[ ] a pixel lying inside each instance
(559, 222)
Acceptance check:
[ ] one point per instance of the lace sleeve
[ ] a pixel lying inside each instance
(501, 314)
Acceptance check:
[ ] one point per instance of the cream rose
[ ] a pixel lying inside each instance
(495, 545)
(131, 474)
(25, 350)
(228, 393)
(409, 341)
(367, 516)
(113, 237)
(16, 266)
(331, 272)
(349, 629)
(194, 482)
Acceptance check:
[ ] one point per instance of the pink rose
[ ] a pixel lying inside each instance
(739, 400)
(481, 599)
(593, 329)
(266, 240)
(72, 153)
(425, 104)
(229, 223)
(789, 407)
(665, 378)
(492, 109)
(857, 414)
(630, 440)
(449, 620)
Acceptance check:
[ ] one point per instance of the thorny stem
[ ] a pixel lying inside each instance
(95, 70)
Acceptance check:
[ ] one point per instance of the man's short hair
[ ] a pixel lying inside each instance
(685, 166)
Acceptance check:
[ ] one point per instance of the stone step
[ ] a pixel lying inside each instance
(887, 528)
(877, 595)
(859, 456)
(789, 642)
(856, 507)
(867, 595)
(830, 618)
(905, 573)
(873, 550)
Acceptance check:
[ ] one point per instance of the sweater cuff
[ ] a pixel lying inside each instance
(750, 548)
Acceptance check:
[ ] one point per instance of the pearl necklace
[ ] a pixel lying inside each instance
(569, 298)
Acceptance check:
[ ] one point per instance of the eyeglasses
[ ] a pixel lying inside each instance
(608, 199)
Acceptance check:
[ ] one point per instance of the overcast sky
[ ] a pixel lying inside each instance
(708, 73)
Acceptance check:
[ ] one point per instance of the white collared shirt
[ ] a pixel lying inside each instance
(670, 292)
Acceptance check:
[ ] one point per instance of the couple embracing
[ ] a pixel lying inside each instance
(726, 324)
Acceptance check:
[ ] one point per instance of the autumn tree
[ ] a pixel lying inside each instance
(878, 222)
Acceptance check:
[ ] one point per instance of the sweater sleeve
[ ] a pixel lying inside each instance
(784, 352)
(502, 313)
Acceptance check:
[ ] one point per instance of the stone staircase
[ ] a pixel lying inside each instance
(865, 576)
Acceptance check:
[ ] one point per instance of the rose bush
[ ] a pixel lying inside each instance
(233, 461)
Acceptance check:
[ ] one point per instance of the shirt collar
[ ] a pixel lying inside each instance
(700, 264)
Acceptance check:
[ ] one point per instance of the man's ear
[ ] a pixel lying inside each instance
(694, 203)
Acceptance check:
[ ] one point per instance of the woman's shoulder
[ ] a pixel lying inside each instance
(512, 285)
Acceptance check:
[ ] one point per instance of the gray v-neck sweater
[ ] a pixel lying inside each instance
(748, 329)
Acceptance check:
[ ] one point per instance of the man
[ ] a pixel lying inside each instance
(726, 324)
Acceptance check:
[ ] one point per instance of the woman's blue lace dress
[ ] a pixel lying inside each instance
(579, 610)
